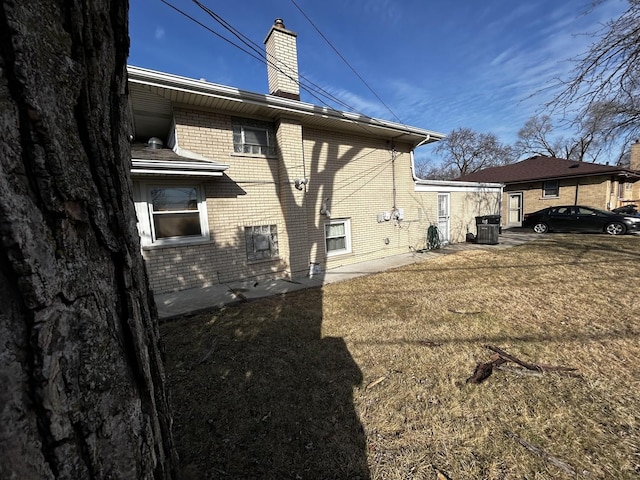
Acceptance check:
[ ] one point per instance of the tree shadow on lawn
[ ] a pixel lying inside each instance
(265, 398)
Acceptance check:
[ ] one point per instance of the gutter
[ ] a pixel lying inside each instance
(187, 85)
(446, 183)
(172, 167)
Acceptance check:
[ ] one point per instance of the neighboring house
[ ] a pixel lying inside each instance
(540, 182)
(257, 186)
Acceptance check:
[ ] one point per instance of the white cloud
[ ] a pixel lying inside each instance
(159, 34)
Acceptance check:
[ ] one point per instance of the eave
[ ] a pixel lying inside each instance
(201, 94)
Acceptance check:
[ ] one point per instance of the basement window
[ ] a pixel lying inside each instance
(261, 242)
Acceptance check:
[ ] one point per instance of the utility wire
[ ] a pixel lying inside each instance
(261, 57)
(347, 63)
(258, 49)
(259, 54)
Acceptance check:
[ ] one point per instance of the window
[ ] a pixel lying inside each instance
(337, 237)
(550, 188)
(171, 213)
(253, 137)
(261, 242)
(562, 210)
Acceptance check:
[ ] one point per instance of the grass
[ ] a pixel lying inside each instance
(366, 378)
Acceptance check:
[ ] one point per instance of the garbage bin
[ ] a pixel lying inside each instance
(488, 227)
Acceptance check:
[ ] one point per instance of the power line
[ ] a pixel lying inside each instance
(346, 62)
(258, 49)
(259, 55)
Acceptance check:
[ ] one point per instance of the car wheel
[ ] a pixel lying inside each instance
(541, 227)
(615, 228)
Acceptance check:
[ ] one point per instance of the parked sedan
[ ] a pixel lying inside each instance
(576, 218)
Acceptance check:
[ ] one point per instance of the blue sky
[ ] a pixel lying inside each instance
(438, 65)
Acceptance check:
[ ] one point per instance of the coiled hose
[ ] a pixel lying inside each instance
(433, 237)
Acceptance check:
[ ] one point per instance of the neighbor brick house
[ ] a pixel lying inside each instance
(540, 182)
(232, 185)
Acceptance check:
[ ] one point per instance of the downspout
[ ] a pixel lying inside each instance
(393, 177)
(413, 158)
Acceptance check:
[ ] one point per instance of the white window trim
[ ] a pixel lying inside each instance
(347, 234)
(142, 196)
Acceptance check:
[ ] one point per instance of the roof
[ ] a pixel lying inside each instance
(164, 161)
(153, 93)
(544, 168)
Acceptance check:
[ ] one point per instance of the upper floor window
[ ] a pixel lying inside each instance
(253, 137)
(550, 188)
(171, 213)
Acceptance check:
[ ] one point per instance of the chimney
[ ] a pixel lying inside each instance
(282, 58)
(634, 163)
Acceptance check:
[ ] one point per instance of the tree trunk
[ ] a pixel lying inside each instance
(82, 391)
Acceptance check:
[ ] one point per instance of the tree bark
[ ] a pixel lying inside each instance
(82, 391)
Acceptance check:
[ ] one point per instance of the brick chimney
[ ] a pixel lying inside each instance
(282, 58)
(634, 163)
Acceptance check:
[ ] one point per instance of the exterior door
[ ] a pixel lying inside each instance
(444, 216)
(514, 210)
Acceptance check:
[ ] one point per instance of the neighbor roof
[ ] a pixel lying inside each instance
(543, 168)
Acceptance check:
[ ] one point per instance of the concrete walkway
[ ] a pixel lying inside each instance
(198, 300)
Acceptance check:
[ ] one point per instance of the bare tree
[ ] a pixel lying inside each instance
(431, 169)
(538, 137)
(83, 393)
(606, 79)
(465, 151)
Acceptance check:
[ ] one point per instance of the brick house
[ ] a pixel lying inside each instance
(231, 185)
(540, 182)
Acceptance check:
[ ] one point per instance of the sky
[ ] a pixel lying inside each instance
(437, 65)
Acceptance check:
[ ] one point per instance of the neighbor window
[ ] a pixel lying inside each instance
(171, 213)
(261, 242)
(550, 188)
(253, 137)
(337, 236)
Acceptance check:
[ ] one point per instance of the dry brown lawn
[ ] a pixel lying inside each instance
(365, 379)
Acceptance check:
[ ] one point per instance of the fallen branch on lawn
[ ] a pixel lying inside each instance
(541, 453)
(484, 370)
(465, 312)
(528, 366)
(506, 356)
(518, 371)
(375, 382)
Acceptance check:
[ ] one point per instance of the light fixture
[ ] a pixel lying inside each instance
(324, 210)
(299, 183)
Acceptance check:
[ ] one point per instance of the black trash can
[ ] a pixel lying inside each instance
(488, 227)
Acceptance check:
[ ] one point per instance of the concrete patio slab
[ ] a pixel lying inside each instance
(197, 300)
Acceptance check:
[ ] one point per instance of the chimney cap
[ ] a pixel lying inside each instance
(279, 23)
